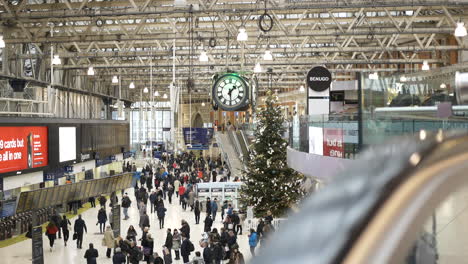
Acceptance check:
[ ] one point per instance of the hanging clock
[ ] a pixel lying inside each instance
(231, 92)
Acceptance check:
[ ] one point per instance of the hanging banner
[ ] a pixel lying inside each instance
(333, 145)
(23, 148)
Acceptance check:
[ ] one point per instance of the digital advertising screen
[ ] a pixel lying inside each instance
(67, 143)
(23, 148)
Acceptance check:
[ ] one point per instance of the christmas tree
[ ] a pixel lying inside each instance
(269, 183)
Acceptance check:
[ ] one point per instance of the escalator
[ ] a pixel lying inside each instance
(403, 202)
(229, 154)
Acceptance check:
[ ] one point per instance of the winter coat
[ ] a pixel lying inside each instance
(214, 206)
(153, 198)
(109, 239)
(168, 242)
(236, 258)
(126, 202)
(102, 217)
(119, 258)
(184, 248)
(208, 224)
(207, 255)
(191, 198)
(79, 226)
(91, 256)
(176, 242)
(144, 221)
(185, 229)
(253, 239)
(197, 207)
(161, 212)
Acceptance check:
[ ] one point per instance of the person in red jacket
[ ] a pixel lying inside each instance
(51, 232)
(182, 196)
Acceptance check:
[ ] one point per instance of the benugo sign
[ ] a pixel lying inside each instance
(23, 148)
(319, 79)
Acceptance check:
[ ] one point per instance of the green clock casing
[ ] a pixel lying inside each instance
(231, 92)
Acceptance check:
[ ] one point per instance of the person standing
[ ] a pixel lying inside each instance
(176, 241)
(197, 212)
(185, 229)
(168, 243)
(176, 187)
(111, 222)
(108, 241)
(102, 201)
(64, 226)
(131, 233)
(79, 228)
(253, 240)
(208, 223)
(92, 200)
(214, 208)
(170, 192)
(51, 232)
(186, 248)
(208, 205)
(102, 218)
(236, 256)
(167, 256)
(191, 199)
(119, 257)
(161, 211)
(91, 254)
(125, 205)
(182, 196)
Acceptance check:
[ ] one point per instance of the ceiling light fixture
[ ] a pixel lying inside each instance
(302, 89)
(203, 104)
(460, 31)
(56, 60)
(165, 96)
(132, 85)
(268, 56)
(425, 66)
(443, 86)
(258, 68)
(2, 42)
(145, 90)
(374, 76)
(203, 56)
(156, 94)
(90, 71)
(242, 36)
(115, 79)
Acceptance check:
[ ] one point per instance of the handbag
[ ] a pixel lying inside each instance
(146, 251)
(75, 236)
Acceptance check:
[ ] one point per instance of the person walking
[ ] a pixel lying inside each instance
(167, 255)
(102, 219)
(108, 241)
(64, 226)
(51, 232)
(102, 201)
(208, 223)
(91, 254)
(208, 205)
(80, 228)
(144, 221)
(176, 187)
(161, 211)
(253, 240)
(153, 198)
(186, 248)
(92, 200)
(119, 257)
(170, 192)
(125, 205)
(214, 208)
(57, 219)
(185, 229)
(191, 199)
(196, 210)
(148, 247)
(176, 241)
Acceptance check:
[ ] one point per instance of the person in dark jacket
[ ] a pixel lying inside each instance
(144, 221)
(125, 205)
(185, 229)
(168, 243)
(64, 226)
(207, 253)
(57, 220)
(119, 257)
(102, 201)
(208, 205)
(92, 200)
(79, 228)
(197, 212)
(133, 253)
(148, 247)
(91, 254)
(161, 214)
(153, 198)
(208, 223)
(186, 248)
(102, 219)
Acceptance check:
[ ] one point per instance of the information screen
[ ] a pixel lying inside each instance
(23, 148)
(67, 143)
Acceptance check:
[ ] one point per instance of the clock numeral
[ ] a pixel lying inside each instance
(241, 89)
(220, 94)
(237, 100)
(241, 94)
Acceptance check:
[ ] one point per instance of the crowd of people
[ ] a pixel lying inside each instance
(172, 180)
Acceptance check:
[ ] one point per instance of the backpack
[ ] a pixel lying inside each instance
(191, 247)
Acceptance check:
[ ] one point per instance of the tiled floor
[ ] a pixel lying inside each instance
(21, 252)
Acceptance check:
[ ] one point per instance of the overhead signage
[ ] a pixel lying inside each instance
(85, 156)
(319, 79)
(23, 148)
(197, 138)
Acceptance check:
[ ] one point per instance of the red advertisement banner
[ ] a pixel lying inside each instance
(23, 148)
(333, 145)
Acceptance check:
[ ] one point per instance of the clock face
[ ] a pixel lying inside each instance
(230, 92)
